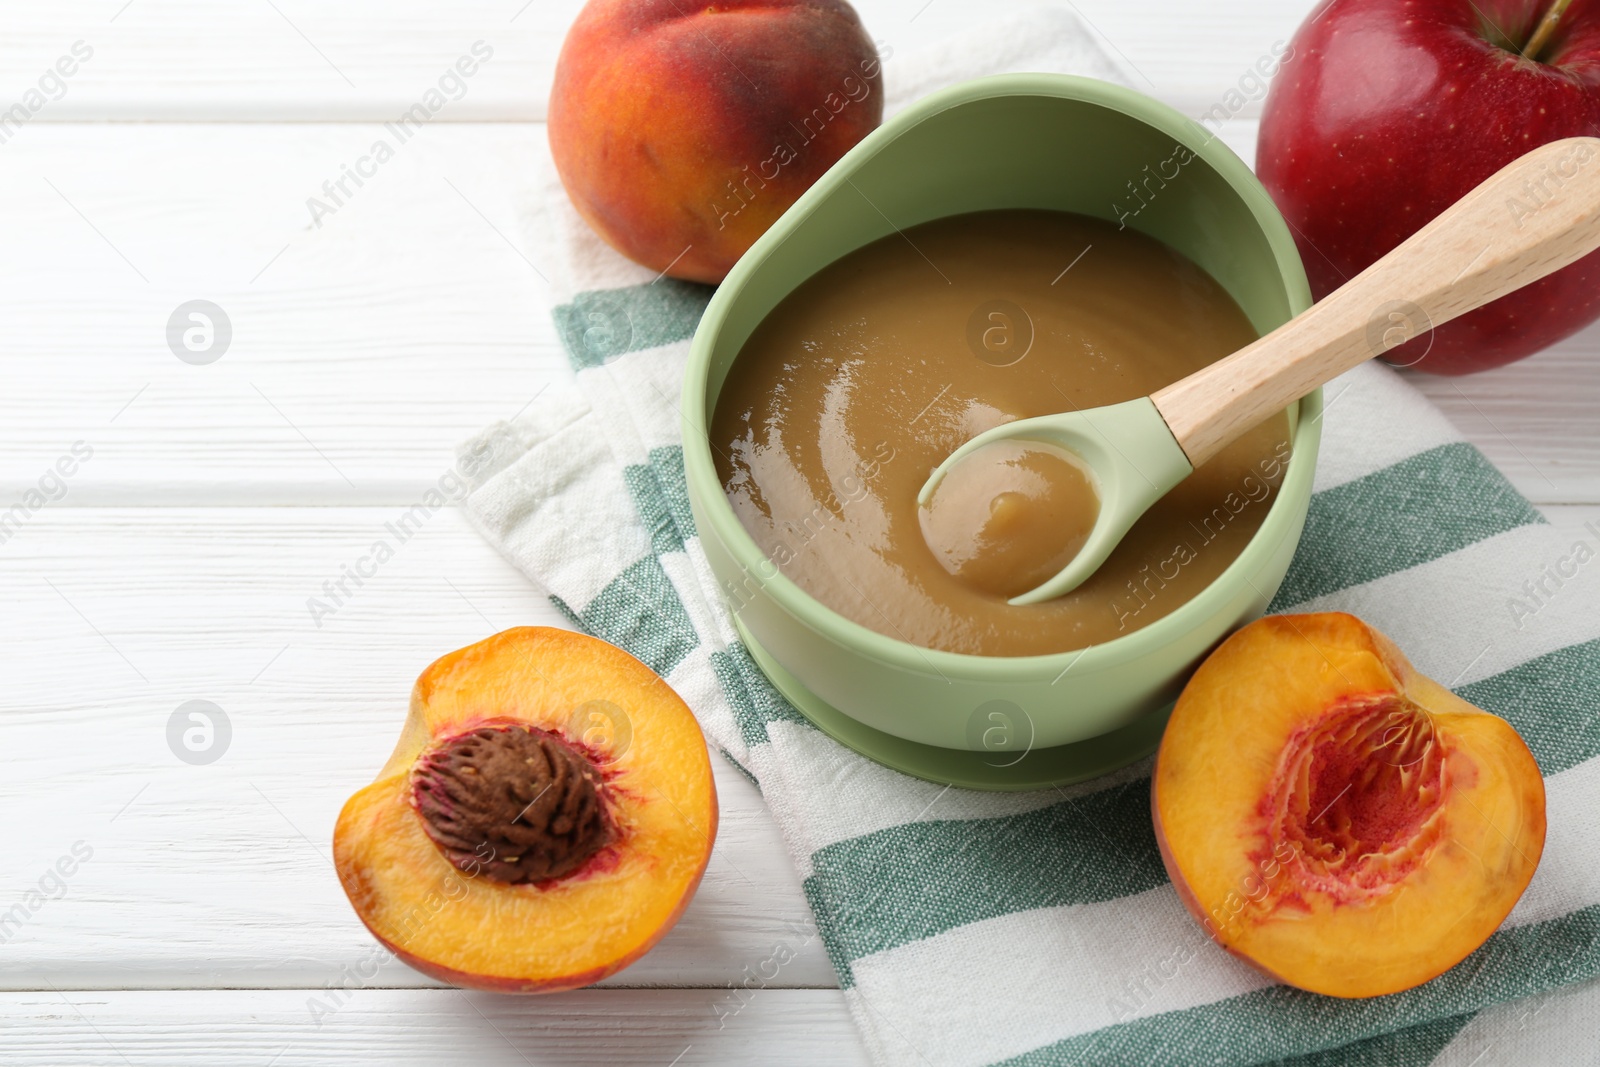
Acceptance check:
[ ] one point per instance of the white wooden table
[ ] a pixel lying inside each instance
(174, 564)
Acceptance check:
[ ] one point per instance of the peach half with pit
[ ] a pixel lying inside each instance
(1336, 819)
(544, 820)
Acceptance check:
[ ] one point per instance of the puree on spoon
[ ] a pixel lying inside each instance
(875, 369)
(1010, 515)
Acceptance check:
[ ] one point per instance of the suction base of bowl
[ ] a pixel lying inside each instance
(1038, 768)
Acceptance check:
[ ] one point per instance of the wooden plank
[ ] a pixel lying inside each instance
(366, 60)
(219, 875)
(1536, 420)
(1572, 517)
(363, 60)
(364, 349)
(426, 1027)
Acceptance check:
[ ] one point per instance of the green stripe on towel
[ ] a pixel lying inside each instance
(1343, 546)
(1414, 1046)
(1553, 701)
(754, 701)
(903, 884)
(1278, 1021)
(639, 610)
(601, 325)
(661, 495)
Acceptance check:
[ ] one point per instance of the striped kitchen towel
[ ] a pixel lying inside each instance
(976, 928)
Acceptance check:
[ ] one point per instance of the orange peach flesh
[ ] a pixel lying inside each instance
(1341, 822)
(570, 931)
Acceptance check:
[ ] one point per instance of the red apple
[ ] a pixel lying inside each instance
(1388, 111)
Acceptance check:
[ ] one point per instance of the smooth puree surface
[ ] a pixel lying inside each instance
(875, 369)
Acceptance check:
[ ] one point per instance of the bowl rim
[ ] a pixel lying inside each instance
(700, 469)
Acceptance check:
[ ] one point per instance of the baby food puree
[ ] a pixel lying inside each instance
(875, 369)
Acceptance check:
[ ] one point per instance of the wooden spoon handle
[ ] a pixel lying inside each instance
(1533, 217)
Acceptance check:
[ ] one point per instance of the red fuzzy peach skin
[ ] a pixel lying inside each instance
(683, 130)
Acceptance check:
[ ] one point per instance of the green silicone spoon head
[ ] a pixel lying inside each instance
(1133, 460)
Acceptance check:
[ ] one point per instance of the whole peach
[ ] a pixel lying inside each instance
(682, 130)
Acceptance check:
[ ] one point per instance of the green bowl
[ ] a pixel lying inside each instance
(1010, 141)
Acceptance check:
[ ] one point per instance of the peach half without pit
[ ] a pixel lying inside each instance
(544, 820)
(1339, 821)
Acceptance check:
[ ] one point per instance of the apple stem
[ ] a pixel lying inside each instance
(1546, 29)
